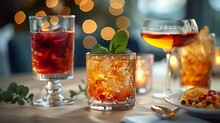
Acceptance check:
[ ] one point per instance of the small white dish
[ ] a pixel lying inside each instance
(173, 99)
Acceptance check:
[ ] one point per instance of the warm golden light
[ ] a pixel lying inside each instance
(86, 6)
(123, 22)
(77, 2)
(139, 74)
(65, 10)
(217, 60)
(89, 42)
(19, 17)
(115, 12)
(40, 13)
(173, 60)
(81, 2)
(51, 3)
(138, 57)
(54, 20)
(45, 26)
(117, 4)
(107, 33)
(89, 26)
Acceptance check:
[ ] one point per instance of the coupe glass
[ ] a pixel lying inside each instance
(168, 34)
(52, 46)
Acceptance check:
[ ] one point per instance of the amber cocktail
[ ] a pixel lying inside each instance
(168, 34)
(196, 62)
(169, 40)
(111, 81)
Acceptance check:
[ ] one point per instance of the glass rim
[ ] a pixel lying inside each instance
(47, 16)
(89, 53)
(164, 20)
(146, 54)
(150, 25)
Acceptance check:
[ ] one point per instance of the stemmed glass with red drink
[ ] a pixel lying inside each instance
(52, 46)
(167, 35)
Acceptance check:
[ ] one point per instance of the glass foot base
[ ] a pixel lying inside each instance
(142, 90)
(122, 105)
(46, 103)
(111, 107)
(160, 95)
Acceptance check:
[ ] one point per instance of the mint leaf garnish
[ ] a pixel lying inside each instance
(119, 42)
(98, 49)
(82, 89)
(16, 94)
(117, 45)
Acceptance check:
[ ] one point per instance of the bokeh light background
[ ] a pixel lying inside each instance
(97, 21)
(91, 25)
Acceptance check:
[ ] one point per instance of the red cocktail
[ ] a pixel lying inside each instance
(52, 46)
(52, 52)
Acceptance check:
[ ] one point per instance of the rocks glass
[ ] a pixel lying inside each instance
(196, 62)
(111, 81)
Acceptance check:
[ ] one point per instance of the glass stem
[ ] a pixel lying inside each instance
(168, 90)
(53, 89)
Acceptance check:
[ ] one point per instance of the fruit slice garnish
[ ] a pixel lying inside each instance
(193, 93)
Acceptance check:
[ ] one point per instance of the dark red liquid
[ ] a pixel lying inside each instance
(52, 52)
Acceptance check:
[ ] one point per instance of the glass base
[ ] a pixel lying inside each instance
(46, 103)
(142, 90)
(53, 97)
(99, 105)
(161, 95)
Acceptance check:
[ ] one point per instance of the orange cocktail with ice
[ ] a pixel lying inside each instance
(111, 75)
(111, 81)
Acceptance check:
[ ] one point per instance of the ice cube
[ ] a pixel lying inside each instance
(105, 64)
(42, 39)
(38, 30)
(36, 37)
(59, 34)
(40, 54)
(60, 38)
(59, 53)
(60, 29)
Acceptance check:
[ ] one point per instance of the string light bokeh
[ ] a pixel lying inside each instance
(89, 26)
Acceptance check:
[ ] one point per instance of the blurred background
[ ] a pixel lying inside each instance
(96, 21)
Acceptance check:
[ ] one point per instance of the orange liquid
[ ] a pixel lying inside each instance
(110, 80)
(52, 52)
(196, 61)
(168, 41)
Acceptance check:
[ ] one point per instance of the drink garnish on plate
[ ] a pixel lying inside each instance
(201, 98)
